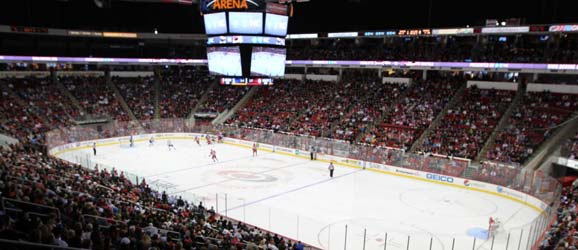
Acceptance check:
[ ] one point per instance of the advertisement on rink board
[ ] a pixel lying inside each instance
(286, 150)
(266, 146)
(378, 166)
(442, 178)
(513, 193)
(349, 161)
(108, 140)
(232, 140)
(247, 143)
(475, 184)
(408, 172)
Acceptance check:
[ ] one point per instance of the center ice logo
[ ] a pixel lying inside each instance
(248, 176)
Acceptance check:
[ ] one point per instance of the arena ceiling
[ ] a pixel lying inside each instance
(313, 16)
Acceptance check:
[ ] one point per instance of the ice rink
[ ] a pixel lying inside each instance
(296, 198)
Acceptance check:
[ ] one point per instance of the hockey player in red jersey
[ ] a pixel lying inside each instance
(254, 149)
(208, 138)
(197, 140)
(213, 155)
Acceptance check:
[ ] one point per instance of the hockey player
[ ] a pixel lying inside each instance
(151, 141)
(170, 145)
(220, 137)
(208, 138)
(213, 155)
(197, 140)
(131, 140)
(494, 225)
(254, 149)
(94, 148)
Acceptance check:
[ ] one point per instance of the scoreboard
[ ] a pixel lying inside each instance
(245, 40)
(240, 81)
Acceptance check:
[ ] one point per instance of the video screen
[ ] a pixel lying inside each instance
(245, 23)
(224, 61)
(215, 23)
(276, 25)
(268, 61)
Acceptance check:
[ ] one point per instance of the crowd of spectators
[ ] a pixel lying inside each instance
(414, 113)
(448, 48)
(221, 98)
(466, 126)
(497, 173)
(374, 99)
(272, 107)
(302, 107)
(18, 119)
(52, 202)
(570, 148)
(321, 106)
(95, 96)
(44, 95)
(563, 232)
(402, 49)
(532, 121)
(181, 89)
(139, 95)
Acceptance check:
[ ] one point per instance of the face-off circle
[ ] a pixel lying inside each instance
(247, 176)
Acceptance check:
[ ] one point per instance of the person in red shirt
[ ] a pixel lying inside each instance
(213, 155)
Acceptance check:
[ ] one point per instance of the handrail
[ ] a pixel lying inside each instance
(4, 199)
(32, 244)
(143, 206)
(166, 231)
(103, 218)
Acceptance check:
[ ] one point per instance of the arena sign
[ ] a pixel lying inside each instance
(208, 6)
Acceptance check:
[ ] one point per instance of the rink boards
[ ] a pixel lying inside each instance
(504, 192)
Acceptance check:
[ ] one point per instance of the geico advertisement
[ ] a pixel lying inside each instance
(442, 178)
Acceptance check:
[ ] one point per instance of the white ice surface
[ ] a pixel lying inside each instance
(296, 198)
